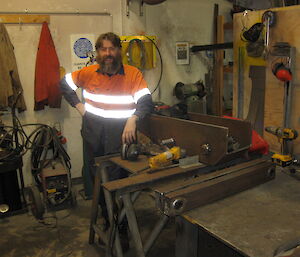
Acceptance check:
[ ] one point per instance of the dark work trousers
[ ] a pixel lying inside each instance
(102, 136)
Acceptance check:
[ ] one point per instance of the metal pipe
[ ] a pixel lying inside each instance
(95, 202)
(60, 13)
(133, 226)
(134, 196)
(199, 48)
(155, 232)
(110, 206)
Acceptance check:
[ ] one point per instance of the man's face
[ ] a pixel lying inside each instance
(109, 57)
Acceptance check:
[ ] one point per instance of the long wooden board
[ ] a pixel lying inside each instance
(24, 18)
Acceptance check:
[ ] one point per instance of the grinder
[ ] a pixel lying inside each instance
(130, 151)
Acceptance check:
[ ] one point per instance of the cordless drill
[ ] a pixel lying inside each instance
(284, 135)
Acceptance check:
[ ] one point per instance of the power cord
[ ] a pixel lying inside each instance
(161, 64)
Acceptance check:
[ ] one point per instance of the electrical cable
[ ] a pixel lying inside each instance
(161, 64)
(40, 141)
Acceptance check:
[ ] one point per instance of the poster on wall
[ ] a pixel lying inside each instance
(82, 48)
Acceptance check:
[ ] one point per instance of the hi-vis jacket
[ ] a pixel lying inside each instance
(116, 96)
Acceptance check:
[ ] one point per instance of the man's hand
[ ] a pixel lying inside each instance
(80, 108)
(129, 132)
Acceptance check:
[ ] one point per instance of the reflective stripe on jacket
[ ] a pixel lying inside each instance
(113, 96)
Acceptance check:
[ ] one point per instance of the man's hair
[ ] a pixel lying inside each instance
(112, 37)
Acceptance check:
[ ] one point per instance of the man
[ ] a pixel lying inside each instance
(116, 97)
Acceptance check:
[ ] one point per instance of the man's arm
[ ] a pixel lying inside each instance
(144, 107)
(71, 96)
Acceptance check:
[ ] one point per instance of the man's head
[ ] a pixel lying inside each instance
(108, 47)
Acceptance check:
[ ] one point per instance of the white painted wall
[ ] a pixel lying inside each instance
(25, 39)
(171, 21)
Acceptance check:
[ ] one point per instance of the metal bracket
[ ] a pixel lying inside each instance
(127, 7)
(141, 5)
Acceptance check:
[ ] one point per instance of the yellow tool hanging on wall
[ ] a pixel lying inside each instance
(139, 51)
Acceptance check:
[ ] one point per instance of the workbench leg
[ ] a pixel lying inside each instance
(134, 196)
(95, 205)
(110, 210)
(133, 226)
(186, 238)
(155, 232)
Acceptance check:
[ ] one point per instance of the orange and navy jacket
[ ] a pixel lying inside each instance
(109, 96)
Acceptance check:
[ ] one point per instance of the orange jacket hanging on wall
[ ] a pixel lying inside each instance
(47, 76)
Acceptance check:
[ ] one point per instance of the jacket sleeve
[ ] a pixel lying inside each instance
(69, 93)
(144, 106)
(141, 95)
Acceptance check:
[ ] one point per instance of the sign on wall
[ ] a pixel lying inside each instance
(82, 46)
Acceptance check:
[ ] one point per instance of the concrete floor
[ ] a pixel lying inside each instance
(65, 233)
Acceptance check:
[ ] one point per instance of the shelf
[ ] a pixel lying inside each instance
(24, 18)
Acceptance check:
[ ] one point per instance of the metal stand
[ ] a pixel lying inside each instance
(128, 210)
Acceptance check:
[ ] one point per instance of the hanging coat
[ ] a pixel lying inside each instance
(47, 73)
(10, 85)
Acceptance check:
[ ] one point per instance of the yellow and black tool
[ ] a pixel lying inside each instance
(166, 158)
(284, 135)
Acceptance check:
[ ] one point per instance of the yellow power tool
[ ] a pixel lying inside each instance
(283, 134)
(166, 158)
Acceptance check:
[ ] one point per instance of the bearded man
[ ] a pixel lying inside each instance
(115, 98)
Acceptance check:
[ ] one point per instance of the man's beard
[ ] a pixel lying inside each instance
(109, 68)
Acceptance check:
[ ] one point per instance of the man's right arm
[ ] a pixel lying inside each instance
(71, 96)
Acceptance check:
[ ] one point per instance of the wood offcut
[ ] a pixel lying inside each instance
(24, 19)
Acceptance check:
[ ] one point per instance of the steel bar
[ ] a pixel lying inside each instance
(209, 141)
(94, 210)
(239, 129)
(257, 74)
(61, 13)
(199, 48)
(155, 232)
(143, 181)
(240, 87)
(197, 195)
(110, 206)
(207, 176)
(289, 90)
(101, 234)
(133, 225)
(133, 197)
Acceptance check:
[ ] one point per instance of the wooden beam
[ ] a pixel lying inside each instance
(24, 19)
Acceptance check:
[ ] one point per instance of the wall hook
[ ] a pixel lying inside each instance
(20, 23)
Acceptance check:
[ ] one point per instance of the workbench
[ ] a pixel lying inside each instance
(154, 181)
(101, 179)
(253, 223)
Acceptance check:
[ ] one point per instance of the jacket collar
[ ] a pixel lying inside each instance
(121, 71)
